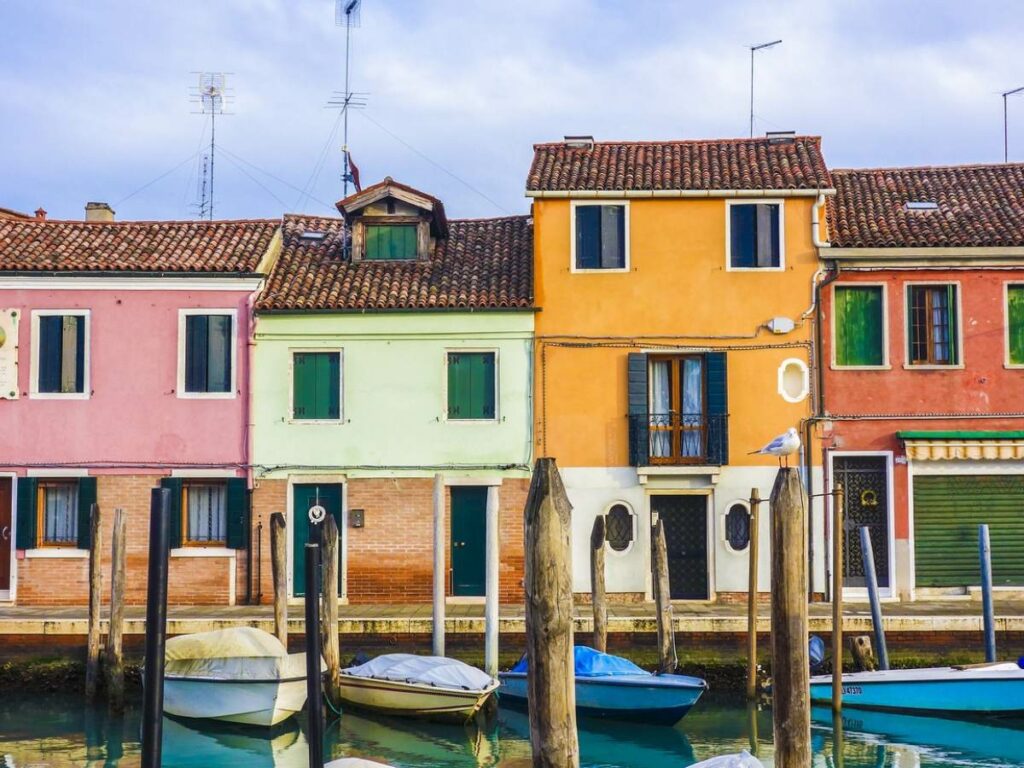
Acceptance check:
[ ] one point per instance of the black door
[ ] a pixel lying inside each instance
(685, 518)
(865, 482)
(469, 528)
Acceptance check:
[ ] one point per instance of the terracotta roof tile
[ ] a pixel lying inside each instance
(714, 164)
(482, 264)
(134, 246)
(978, 205)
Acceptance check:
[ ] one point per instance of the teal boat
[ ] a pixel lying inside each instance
(976, 689)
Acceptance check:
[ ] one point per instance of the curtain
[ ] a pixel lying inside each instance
(693, 407)
(661, 407)
(61, 513)
(207, 512)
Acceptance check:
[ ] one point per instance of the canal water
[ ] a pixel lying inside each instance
(58, 731)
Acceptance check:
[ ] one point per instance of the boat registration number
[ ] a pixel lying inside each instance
(853, 690)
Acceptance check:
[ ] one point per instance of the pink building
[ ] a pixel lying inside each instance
(124, 366)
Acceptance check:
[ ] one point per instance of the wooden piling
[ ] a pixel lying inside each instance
(92, 654)
(439, 567)
(837, 598)
(492, 564)
(662, 602)
(549, 633)
(597, 593)
(752, 562)
(329, 615)
(790, 664)
(115, 653)
(279, 571)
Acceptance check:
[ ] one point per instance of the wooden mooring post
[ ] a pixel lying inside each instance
(329, 618)
(791, 706)
(549, 633)
(597, 586)
(871, 579)
(838, 516)
(314, 691)
(663, 601)
(279, 572)
(440, 573)
(156, 628)
(115, 649)
(752, 563)
(92, 654)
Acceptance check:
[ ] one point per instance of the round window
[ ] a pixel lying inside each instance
(737, 527)
(619, 527)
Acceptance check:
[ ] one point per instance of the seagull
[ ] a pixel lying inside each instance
(784, 445)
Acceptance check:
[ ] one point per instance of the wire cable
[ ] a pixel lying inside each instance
(271, 175)
(258, 183)
(321, 160)
(147, 185)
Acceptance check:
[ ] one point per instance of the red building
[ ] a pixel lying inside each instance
(922, 372)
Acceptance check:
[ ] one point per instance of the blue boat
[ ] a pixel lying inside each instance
(610, 686)
(979, 689)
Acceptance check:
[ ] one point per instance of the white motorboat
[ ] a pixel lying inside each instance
(417, 686)
(240, 675)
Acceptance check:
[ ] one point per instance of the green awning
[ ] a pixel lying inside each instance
(942, 434)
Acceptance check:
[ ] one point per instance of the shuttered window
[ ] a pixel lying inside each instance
(471, 385)
(600, 236)
(390, 242)
(859, 325)
(755, 240)
(316, 386)
(54, 512)
(1015, 324)
(61, 351)
(932, 325)
(208, 353)
(209, 512)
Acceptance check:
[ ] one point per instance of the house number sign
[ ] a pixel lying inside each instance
(9, 353)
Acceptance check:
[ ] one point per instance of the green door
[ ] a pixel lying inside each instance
(305, 496)
(469, 526)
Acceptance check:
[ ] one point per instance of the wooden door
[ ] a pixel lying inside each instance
(6, 533)
(685, 518)
(327, 495)
(468, 534)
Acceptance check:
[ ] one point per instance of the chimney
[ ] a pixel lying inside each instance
(40, 214)
(579, 142)
(98, 212)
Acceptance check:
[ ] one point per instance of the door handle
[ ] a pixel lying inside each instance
(5, 534)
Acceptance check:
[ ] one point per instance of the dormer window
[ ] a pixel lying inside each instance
(393, 222)
(391, 242)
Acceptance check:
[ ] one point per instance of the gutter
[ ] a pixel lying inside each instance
(590, 194)
(395, 310)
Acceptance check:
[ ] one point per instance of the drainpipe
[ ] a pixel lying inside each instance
(247, 447)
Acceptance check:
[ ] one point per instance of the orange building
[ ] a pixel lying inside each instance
(676, 282)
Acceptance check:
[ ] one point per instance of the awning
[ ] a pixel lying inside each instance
(980, 445)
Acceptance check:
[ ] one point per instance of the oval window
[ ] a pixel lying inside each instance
(619, 527)
(794, 380)
(737, 527)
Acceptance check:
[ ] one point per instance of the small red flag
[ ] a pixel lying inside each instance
(353, 172)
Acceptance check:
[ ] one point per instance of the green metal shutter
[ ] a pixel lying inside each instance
(858, 325)
(174, 484)
(717, 377)
(26, 511)
(636, 393)
(1015, 319)
(947, 512)
(952, 327)
(237, 513)
(86, 498)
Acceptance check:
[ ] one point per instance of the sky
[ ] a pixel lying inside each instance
(94, 96)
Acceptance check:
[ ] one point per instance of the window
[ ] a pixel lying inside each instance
(677, 415)
(316, 386)
(932, 325)
(794, 380)
(859, 326)
(755, 240)
(57, 508)
(619, 527)
(390, 242)
(208, 354)
(737, 527)
(600, 237)
(61, 349)
(204, 513)
(1015, 324)
(471, 385)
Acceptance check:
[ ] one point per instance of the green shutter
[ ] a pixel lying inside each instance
(716, 374)
(174, 484)
(1015, 321)
(316, 385)
(390, 242)
(471, 385)
(238, 513)
(858, 325)
(454, 385)
(86, 498)
(952, 325)
(26, 511)
(636, 394)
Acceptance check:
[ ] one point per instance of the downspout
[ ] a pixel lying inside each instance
(247, 448)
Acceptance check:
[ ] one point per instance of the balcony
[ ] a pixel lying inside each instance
(678, 439)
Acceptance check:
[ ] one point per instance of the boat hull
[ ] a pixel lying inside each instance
(662, 699)
(261, 702)
(412, 699)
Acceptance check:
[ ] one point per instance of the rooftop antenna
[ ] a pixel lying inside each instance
(346, 14)
(753, 49)
(211, 94)
(1006, 132)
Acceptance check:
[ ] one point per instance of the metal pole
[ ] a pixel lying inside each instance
(1006, 133)
(752, 92)
(439, 570)
(985, 552)
(752, 563)
(491, 606)
(872, 585)
(156, 627)
(837, 598)
(314, 697)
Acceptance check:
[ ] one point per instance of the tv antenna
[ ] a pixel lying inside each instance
(346, 14)
(1006, 123)
(211, 93)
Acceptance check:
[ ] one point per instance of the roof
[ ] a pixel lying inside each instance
(134, 246)
(700, 165)
(10, 213)
(978, 206)
(482, 264)
(391, 188)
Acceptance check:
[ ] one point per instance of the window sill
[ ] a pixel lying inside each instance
(957, 367)
(57, 553)
(1013, 366)
(886, 367)
(202, 552)
(472, 421)
(755, 269)
(59, 395)
(600, 271)
(315, 422)
(207, 395)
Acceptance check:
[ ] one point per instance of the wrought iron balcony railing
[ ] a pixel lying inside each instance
(678, 438)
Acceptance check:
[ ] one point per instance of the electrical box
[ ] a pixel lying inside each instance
(356, 518)
(780, 325)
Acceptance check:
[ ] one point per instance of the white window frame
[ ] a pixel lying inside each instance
(886, 363)
(634, 519)
(497, 385)
(292, 351)
(805, 372)
(573, 205)
(782, 233)
(961, 352)
(745, 503)
(232, 392)
(33, 384)
(1006, 322)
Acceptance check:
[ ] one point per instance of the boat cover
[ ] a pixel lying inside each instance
(241, 653)
(591, 663)
(742, 760)
(437, 671)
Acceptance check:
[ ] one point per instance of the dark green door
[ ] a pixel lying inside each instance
(328, 496)
(685, 518)
(469, 525)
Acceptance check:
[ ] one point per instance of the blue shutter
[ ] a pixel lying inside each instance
(174, 484)
(237, 513)
(636, 391)
(718, 407)
(26, 511)
(51, 342)
(196, 344)
(79, 353)
(86, 498)
(588, 237)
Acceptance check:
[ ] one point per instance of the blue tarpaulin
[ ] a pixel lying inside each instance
(591, 663)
